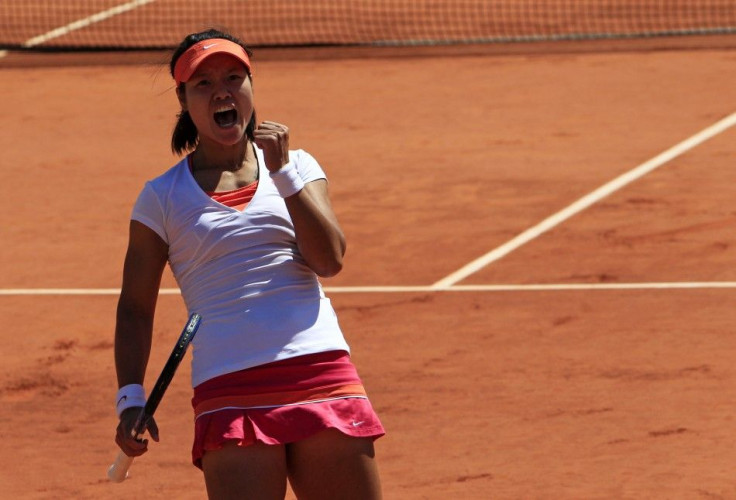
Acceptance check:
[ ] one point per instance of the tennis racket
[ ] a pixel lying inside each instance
(118, 471)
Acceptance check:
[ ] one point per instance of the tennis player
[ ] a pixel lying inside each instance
(247, 228)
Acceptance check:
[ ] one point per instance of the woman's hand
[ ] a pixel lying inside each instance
(134, 447)
(273, 139)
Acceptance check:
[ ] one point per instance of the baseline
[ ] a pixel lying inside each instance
(414, 289)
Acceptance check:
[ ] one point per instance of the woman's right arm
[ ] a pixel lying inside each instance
(145, 260)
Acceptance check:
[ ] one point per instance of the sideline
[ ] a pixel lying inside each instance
(84, 22)
(586, 201)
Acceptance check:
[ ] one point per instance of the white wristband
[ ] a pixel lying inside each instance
(287, 180)
(129, 396)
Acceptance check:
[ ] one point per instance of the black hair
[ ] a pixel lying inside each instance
(185, 136)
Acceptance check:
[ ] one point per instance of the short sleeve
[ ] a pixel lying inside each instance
(307, 166)
(149, 212)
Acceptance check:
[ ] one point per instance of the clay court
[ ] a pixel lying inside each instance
(527, 322)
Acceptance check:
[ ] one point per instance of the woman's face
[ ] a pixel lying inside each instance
(219, 99)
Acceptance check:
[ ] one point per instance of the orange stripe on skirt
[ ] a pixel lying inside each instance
(272, 400)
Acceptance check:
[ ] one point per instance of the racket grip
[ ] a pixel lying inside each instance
(119, 470)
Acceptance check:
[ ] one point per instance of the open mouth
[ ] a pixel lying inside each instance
(226, 117)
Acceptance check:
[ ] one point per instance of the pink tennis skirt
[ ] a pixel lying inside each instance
(282, 402)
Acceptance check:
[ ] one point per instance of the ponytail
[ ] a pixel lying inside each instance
(185, 136)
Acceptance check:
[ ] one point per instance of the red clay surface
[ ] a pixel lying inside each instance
(433, 162)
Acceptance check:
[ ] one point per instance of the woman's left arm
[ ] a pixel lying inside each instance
(318, 234)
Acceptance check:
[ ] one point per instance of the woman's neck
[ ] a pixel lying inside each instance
(229, 159)
(216, 171)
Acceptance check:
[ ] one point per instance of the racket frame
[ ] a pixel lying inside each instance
(118, 471)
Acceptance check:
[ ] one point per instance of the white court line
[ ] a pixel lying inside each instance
(414, 289)
(82, 23)
(560, 287)
(586, 201)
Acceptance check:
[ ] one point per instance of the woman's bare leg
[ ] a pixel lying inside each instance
(255, 472)
(335, 466)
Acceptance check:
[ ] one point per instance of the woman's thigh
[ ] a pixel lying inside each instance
(256, 471)
(335, 466)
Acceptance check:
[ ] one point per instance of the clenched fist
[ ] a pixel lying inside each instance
(273, 139)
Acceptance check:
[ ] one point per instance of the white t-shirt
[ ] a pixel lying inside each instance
(241, 271)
